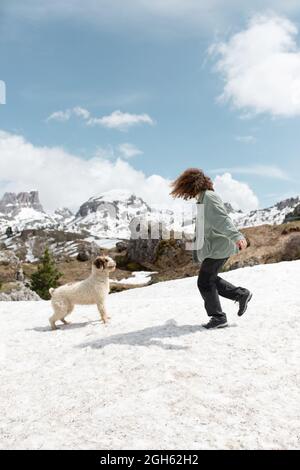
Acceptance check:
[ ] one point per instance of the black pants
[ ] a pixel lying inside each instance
(211, 285)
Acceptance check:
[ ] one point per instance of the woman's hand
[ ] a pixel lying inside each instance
(241, 244)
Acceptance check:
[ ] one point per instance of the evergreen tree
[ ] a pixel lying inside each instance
(9, 232)
(45, 277)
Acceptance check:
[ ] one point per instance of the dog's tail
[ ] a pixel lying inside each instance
(51, 290)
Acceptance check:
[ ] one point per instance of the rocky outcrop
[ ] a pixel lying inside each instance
(142, 251)
(167, 250)
(8, 258)
(87, 251)
(121, 246)
(9, 265)
(268, 244)
(30, 244)
(291, 249)
(18, 293)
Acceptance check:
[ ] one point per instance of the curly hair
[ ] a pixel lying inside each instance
(190, 183)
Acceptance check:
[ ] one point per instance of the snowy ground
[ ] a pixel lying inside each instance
(107, 243)
(154, 378)
(138, 278)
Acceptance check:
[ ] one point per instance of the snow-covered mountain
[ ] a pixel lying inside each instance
(24, 210)
(13, 204)
(109, 215)
(63, 214)
(124, 386)
(20, 209)
(271, 215)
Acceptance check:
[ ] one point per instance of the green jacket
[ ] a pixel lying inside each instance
(220, 234)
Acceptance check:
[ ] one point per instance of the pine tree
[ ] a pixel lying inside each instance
(45, 277)
(9, 232)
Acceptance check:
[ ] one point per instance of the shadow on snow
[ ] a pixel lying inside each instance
(150, 336)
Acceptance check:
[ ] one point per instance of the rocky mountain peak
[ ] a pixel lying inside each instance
(12, 203)
(118, 199)
(288, 203)
(63, 213)
(109, 215)
(228, 207)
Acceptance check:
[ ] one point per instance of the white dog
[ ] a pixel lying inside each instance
(92, 290)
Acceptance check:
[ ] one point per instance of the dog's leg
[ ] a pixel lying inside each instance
(102, 310)
(52, 322)
(70, 309)
(60, 311)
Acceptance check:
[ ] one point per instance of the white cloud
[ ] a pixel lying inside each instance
(121, 121)
(128, 150)
(81, 112)
(245, 139)
(64, 179)
(63, 116)
(116, 120)
(267, 171)
(60, 116)
(261, 67)
(239, 194)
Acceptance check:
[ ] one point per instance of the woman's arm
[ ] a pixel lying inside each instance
(219, 219)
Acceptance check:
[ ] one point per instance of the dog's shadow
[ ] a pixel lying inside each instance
(148, 336)
(69, 326)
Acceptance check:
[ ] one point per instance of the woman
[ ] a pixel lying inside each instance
(221, 240)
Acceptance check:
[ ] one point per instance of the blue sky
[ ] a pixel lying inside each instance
(103, 95)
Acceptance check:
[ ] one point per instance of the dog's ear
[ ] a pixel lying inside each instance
(99, 263)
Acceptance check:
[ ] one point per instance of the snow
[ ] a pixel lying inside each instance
(137, 278)
(30, 258)
(108, 243)
(154, 378)
(117, 208)
(270, 215)
(27, 213)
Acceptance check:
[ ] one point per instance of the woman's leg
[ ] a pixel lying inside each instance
(229, 291)
(207, 285)
(239, 294)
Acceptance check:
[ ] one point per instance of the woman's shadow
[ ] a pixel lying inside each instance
(148, 336)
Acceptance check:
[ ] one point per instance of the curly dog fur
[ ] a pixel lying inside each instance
(92, 290)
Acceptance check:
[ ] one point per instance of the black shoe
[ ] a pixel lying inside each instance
(243, 302)
(216, 322)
